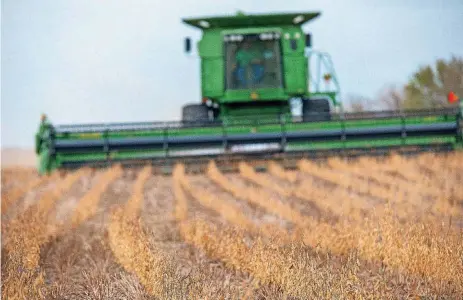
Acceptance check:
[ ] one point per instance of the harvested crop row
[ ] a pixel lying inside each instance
(201, 277)
(384, 239)
(327, 200)
(416, 247)
(248, 172)
(88, 204)
(181, 204)
(415, 190)
(445, 175)
(9, 197)
(26, 234)
(444, 192)
(230, 248)
(78, 261)
(454, 161)
(286, 192)
(346, 236)
(293, 268)
(395, 164)
(276, 170)
(260, 198)
(307, 229)
(410, 199)
(351, 183)
(364, 171)
(337, 200)
(10, 176)
(131, 248)
(231, 213)
(269, 265)
(420, 248)
(440, 168)
(11, 173)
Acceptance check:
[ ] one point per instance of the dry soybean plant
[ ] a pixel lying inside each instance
(9, 197)
(394, 237)
(25, 236)
(259, 197)
(131, 248)
(276, 170)
(248, 172)
(88, 204)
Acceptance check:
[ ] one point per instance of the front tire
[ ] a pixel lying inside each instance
(315, 110)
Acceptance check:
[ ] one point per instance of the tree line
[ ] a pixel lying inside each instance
(427, 88)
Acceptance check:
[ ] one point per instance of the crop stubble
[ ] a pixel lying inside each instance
(367, 228)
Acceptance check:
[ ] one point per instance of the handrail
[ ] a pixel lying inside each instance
(324, 65)
(135, 126)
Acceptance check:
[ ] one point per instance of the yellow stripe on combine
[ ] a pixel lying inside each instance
(91, 135)
(430, 119)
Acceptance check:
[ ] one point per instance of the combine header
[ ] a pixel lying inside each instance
(253, 68)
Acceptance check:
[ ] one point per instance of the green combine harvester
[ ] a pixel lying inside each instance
(253, 69)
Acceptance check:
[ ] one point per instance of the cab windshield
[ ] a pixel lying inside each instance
(253, 61)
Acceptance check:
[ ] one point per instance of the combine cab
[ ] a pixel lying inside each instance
(253, 69)
(253, 65)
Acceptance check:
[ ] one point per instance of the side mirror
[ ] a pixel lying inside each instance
(187, 44)
(308, 40)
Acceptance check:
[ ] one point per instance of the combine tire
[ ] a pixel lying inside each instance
(315, 110)
(195, 113)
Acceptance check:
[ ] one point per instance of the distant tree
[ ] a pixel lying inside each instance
(357, 107)
(358, 103)
(391, 98)
(429, 86)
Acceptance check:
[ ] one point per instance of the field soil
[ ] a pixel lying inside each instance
(389, 228)
(18, 157)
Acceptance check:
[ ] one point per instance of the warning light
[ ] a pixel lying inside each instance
(327, 77)
(452, 97)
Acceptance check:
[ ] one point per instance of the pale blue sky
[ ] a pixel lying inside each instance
(100, 60)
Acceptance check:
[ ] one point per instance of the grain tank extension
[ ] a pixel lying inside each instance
(254, 69)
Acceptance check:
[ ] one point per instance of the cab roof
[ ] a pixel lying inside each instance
(246, 20)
